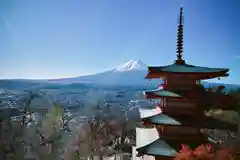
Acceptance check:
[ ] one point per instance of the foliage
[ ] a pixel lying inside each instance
(53, 137)
(104, 134)
(228, 116)
(30, 135)
(231, 139)
(218, 97)
(12, 131)
(204, 152)
(236, 99)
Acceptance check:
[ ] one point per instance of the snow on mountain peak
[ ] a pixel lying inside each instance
(131, 65)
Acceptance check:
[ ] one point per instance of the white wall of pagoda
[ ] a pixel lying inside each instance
(144, 136)
(149, 112)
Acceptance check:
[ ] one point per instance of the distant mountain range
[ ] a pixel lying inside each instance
(131, 73)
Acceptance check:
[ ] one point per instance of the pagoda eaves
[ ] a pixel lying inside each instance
(158, 147)
(165, 149)
(160, 93)
(184, 69)
(201, 122)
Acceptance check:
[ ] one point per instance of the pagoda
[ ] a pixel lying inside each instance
(179, 117)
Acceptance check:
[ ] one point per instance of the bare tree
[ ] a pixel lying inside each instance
(46, 136)
(105, 134)
(12, 131)
(43, 137)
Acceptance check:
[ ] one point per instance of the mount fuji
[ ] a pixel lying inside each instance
(132, 65)
(130, 73)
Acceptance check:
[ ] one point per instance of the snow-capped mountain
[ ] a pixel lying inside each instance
(130, 73)
(131, 65)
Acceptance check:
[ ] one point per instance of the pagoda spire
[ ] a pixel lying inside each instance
(180, 39)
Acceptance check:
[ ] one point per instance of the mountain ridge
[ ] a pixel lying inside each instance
(131, 73)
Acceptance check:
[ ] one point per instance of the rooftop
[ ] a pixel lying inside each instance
(200, 121)
(158, 147)
(161, 93)
(162, 119)
(167, 148)
(185, 68)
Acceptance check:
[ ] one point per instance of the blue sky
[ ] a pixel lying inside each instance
(65, 38)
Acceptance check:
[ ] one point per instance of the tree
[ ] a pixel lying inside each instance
(12, 131)
(104, 134)
(32, 135)
(52, 136)
(205, 152)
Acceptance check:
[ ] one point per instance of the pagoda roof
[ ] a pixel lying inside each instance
(186, 69)
(149, 112)
(162, 119)
(201, 121)
(157, 93)
(168, 147)
(158, 148)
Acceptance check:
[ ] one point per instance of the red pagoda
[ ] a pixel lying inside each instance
(182, 105)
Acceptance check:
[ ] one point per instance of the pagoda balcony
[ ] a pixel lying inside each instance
(182, 106)
(181, 110)
(179, 132)
(190, 91)
(183, 137)
(183, 87)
